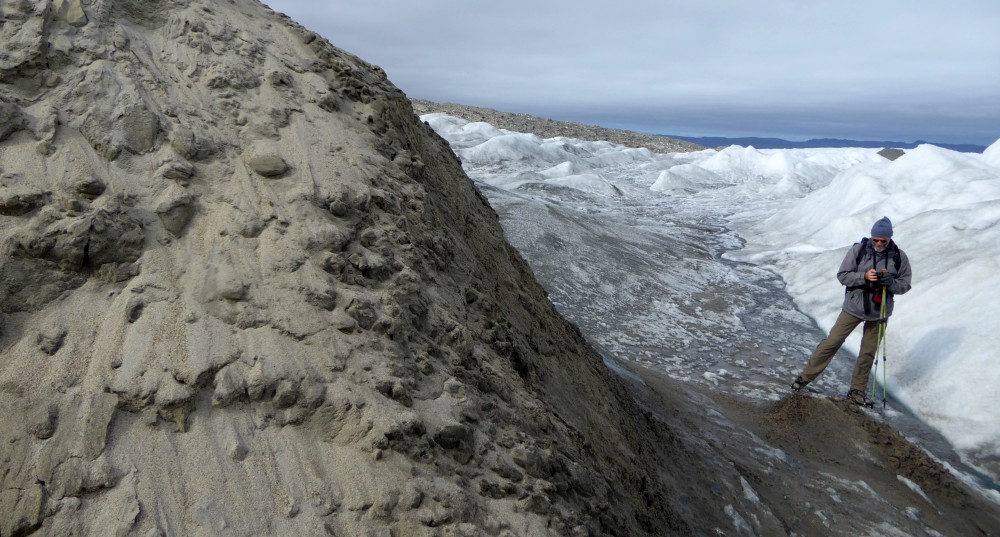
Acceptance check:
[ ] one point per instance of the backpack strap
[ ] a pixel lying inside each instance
(897, 259)
(861, 251)
(864, 287)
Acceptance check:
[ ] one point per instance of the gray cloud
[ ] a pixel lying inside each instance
(853, 68)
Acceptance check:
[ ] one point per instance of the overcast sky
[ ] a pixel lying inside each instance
(873, 69)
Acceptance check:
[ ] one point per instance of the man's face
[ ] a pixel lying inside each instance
(880, 243)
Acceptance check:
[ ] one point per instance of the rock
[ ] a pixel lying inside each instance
(90, 240)
(455, 387)
(125, 123)
(237, 450)
(133, 310)
(90, 187)
(21, 509)
(175, 211)
(280, 79)
(96, 418)
(117, 272)
(385, 504)
(345, 201)
(250, 225)
(230, 75)
(230, 385)
(67, 478)
(55, 253)
(504, 469)
(51, 339)
(458, 439)
(535, 462)
(20, 200)
(344, 322)
(891, 153)
(286, 394)
(11, 119)
(177, 170)
(411, 497)
(536, 503)
(433, 516)
(363, 313)
(256, 383)
(70, 11)
(28, 285)
(291, 507)
(223, 282)
(135, 127)
(313, 395)
(265, 160)
(42, 421)
(191, 146)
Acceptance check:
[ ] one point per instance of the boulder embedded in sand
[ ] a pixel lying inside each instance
(266, 160)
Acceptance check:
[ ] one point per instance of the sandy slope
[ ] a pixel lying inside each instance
(246, 292)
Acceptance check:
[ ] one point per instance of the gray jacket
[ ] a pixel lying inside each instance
(858, 298)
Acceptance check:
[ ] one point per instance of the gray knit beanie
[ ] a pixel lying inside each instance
(882, 228)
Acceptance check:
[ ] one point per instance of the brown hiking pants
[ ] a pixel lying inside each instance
(821, 357)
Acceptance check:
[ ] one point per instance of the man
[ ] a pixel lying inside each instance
(869, 267)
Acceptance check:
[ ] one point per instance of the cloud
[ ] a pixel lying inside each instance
(934, 67)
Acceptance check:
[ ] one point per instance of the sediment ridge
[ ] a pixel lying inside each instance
(549, 128)
(244, 291)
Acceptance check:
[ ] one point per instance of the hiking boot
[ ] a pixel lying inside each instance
(859, 397)
(799, 384)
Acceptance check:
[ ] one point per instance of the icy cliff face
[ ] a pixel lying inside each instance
(243, 290)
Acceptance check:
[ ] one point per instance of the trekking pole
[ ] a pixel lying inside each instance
(878, 342)
(880, 347)
(885, 344)
(883, 327)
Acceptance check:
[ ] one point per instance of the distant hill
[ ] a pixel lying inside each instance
(778, 143)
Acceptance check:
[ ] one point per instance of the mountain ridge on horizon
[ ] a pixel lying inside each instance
(781, 143)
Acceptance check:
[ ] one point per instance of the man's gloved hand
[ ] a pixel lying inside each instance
(885, 279)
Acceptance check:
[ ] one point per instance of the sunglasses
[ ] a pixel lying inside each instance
(880, 241)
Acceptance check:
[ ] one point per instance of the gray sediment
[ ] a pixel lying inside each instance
(550, 128)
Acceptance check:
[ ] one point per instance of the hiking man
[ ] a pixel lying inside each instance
(869, 267)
